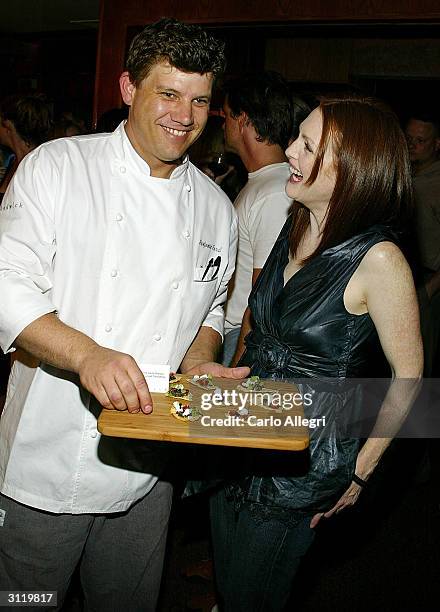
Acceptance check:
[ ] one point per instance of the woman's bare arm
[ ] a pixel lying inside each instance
(385, 287)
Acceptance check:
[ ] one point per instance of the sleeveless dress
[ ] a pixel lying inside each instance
(303, 332)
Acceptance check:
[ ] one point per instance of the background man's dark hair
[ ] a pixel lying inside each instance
(426, 116)
(268, 103)
(186, 47)
(32, 116)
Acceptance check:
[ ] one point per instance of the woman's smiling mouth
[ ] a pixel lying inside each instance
(295, 175)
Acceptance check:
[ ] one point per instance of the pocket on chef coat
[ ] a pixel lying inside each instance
(208, 271)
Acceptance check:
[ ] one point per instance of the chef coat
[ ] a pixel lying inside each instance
(136, 262)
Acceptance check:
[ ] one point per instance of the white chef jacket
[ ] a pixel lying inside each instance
(120, 255)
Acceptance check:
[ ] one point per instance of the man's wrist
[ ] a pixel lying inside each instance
(83, 353)
(205, 349)
(189, 364)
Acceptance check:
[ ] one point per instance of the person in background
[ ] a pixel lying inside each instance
(109, 121)
(260, 120)
(319, 317)
(71, 122)
(208, 154)
(106, 263)
(65, 128)
(423, 137)
(5, 158)
(25, 123)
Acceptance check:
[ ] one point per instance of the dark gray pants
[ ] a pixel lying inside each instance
(120, 555)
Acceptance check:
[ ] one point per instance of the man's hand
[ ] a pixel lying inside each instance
(348, 499)
(115, 380)
(219, 371)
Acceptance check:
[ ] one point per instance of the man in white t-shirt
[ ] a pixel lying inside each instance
(260, 117)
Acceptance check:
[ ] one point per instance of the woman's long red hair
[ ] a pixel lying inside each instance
(373, 173)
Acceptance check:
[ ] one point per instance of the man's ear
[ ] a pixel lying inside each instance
(127, 88)
(243, 122)
(437, 145)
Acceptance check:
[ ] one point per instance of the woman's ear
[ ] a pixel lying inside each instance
(127, 88)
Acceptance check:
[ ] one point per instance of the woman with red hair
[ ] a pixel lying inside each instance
(335, 293)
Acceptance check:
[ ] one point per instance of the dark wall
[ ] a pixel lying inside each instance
(117, 19)
(392, 51)
(59, 64)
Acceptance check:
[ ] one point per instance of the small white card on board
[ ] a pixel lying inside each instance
(157, 376)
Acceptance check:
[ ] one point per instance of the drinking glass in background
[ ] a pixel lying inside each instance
(227, 171)
(218, 165)
(208, 154)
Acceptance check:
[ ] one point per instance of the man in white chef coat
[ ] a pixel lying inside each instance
(114, 250)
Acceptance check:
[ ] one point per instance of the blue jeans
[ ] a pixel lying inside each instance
(256, 555)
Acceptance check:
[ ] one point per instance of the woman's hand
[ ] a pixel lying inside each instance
(349, 498)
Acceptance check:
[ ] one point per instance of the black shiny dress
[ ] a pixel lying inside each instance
(303, 332)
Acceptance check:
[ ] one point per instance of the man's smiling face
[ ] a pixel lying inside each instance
(423, 142)
(168, 113)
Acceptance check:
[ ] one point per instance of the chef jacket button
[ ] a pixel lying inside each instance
(94, 434)
(108, 328)
(188, 188)
(157, 337)
(122, 169)
(186, 233)
(175, 285)
(118, 217)
(114, 273)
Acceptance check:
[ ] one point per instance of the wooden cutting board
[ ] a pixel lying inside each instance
(279, 429)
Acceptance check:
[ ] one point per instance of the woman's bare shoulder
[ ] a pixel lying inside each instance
(384, 257)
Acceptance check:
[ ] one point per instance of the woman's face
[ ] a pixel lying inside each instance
(302, 155)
